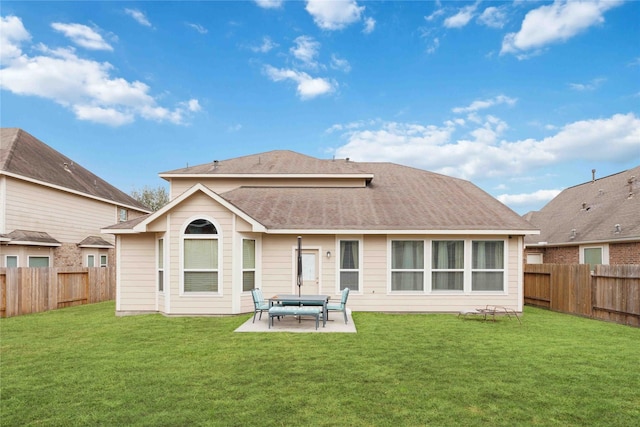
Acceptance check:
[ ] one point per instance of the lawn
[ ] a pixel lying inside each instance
(85, 366)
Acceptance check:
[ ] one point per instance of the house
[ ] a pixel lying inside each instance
(402, 239)
(597, 222)
(52, 209)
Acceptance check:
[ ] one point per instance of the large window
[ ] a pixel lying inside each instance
(248, 264)
(200, 265)
(594, 255)
(447, 265)
(350, 264)
(407, 265)
(487, 266)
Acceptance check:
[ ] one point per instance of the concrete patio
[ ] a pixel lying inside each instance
(293, 324)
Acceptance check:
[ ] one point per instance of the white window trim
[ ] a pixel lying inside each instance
(106, 260)
(504, 270)
(424, 270)
(466, 284)
(359, 270)
(94, 260)
(605, 252)
(163, 269)
(218, 237)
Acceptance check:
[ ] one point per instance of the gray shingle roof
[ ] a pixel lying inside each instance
(24, 155)
(398, 198)
(592, 209)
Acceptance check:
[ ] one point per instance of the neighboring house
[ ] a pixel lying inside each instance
(597, 222)
(52, 209)
(402, 239)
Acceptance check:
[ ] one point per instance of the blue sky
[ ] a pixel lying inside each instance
(522, 98)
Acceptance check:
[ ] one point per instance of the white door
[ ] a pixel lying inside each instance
(310, 278)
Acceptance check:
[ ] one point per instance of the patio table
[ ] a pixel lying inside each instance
(303, 300)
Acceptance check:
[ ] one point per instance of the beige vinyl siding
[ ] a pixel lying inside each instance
(137, 273)
(200, 206)
(221, 185)
(67, 217)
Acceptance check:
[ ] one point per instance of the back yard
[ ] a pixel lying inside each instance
(84, 366)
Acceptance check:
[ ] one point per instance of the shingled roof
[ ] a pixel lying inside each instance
(23, 155)
(602, 210)
(397, 198)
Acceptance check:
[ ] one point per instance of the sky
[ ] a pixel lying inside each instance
(522, 98)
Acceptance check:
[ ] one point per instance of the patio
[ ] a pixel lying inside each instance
(335, 323)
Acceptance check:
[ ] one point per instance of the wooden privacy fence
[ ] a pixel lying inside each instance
(611, 292)
(32, 290)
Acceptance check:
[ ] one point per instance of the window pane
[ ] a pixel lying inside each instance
(488, 255)
(38, 261)
(407, 255)
(447, 281)
(448, 255)
(593, 256)
(487, 281)
(201, 226)
(161, 253)
(349, 254)
(161, 281)
(200, 253)
(248, 280)
(103, 260)
(349, 279)
(12, 261)
(200, 281)
(248, 254)
(91, 261)
(407, 281)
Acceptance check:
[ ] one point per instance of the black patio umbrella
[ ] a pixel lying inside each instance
(299, 278)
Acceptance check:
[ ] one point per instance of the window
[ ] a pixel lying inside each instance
(123, 214)
(487, 269)
(161, 265)
(200, 257)
(248, 264)
(91, 261)
(447, 265)
(103, 260)
(12, 261)
(592, 256)
(407, 265)
(349, 264)
(38, 261)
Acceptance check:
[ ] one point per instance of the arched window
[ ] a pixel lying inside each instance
(200, 257)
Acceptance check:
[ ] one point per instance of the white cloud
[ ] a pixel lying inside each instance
(139, 16)
(269, 4)
(461, 18)
(266, 46)
(12, 34)
(334, 15)
(592, 85)
(340, 64)
(483, 104)
(537, 197)
(306, 50)
(494, 17)
(369, 25)
(199, 28)
(485, 155)
(307, 87)
(554, 23)
(84, 86)
(82, 36)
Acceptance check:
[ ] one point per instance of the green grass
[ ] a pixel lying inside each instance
(85, 366)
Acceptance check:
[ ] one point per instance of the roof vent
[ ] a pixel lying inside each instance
(215, 164)
(66, 167)
(618, 229)
(573, 234)
(593, 175)
(584, 205)
(347, 159)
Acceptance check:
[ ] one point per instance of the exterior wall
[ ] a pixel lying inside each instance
(561, 255)
(221, 185)
(624, 253)
(136, 273)
(24, 252)
(69, 218)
